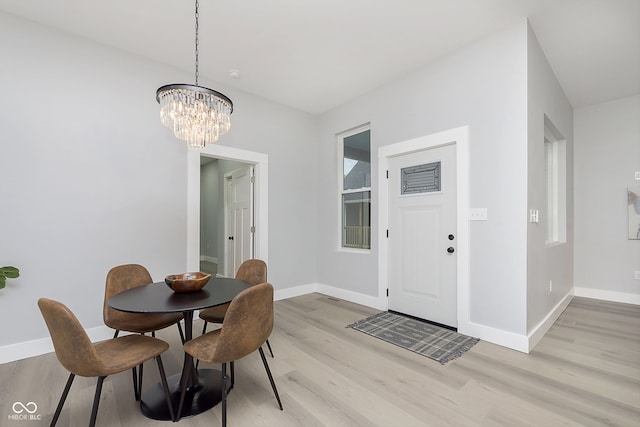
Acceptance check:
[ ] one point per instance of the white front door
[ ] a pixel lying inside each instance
(239, 218)
(422, 234)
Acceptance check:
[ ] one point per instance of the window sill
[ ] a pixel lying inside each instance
(548, 245)
(354, 251)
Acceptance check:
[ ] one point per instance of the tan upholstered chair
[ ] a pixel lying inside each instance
(253, 271)
(247, 324)
(119, 279)
(80, 356)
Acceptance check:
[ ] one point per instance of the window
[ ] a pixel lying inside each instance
(355, 188)
(556, 184)
(420, 179)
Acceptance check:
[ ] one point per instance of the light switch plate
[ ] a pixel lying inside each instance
(478, 214)
(637, 176)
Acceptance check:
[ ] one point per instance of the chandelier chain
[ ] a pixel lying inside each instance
(197, 42)
(196, 114)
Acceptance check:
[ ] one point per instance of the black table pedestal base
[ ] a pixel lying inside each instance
(198, 399)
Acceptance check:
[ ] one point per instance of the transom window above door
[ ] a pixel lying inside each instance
(420, 179)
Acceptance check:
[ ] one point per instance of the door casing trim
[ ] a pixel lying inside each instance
(460, 137)
(261, 197)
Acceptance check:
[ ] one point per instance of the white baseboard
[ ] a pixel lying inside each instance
(543, 327)
(37, 347)
(296, 291)
(512, 340)
(602, 294)
(331, 291)
(523, 343)
(495, 336)
(351, 296)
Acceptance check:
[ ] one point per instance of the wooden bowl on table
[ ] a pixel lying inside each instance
(187, 282)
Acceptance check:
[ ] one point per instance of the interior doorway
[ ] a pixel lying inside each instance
(226, 215)
(195, 204)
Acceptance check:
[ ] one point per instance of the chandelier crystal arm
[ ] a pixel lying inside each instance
(195, 88)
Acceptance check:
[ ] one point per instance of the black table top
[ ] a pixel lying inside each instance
(159, 298)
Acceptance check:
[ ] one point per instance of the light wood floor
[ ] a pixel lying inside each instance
(584, 372)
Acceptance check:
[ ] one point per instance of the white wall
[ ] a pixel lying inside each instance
(88, 180)
(607, 154)
(483, 86)
(555, 263)
(91, 179)
(288, 137)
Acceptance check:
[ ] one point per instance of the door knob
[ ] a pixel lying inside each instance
(451, 237)
(450, 249)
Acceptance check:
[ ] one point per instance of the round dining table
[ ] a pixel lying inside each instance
(202, 386)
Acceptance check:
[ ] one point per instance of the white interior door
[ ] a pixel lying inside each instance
(422, 234)
(239, 223)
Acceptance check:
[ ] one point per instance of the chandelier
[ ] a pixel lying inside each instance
(196, 114)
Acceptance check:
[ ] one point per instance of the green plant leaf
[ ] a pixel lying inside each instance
(9, 272)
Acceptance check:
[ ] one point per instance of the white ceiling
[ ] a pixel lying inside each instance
(317, 54)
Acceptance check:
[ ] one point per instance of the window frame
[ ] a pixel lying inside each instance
(342, 192)
(555, 171)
